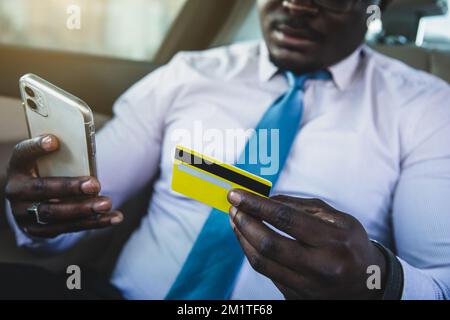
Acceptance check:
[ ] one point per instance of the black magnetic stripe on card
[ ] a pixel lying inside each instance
(222, 172)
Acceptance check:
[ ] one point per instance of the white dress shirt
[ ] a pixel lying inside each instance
(374, 143)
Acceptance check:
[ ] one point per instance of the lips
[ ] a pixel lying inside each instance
(295, 34)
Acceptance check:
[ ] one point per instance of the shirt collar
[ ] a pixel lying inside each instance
(343, 72)
(266, 68)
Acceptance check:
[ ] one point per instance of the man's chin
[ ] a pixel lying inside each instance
(295, 61)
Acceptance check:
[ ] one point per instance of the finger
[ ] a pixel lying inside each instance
(27, 152)
(273, 270)
(268, 243)
(295, 222)
(52, 212)
(315, 207)
(42, 189)
(53, 230)
(292, 201)
(288, 293)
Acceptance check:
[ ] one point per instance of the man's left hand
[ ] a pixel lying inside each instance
(324, 253)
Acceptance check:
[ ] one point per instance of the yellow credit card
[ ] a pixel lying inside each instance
(208, 180)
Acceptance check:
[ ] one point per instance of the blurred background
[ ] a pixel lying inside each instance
(120, 41)
(136, 29)
(132, 29)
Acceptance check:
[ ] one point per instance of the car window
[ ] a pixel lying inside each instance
(249, 29)
(132, 29)
(434, 32)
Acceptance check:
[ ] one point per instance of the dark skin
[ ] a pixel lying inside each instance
(67, 204)
(327, 257)
(332, 35)
(330, 251)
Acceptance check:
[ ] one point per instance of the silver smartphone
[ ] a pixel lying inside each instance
(51, 110)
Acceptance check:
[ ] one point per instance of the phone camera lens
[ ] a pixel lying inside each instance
(29, 92)
(32, 104)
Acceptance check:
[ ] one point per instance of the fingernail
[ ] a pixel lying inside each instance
(90, 187)
(235, 198)
(102, 206)
(116, 220)
(233, 211)
(47, 143)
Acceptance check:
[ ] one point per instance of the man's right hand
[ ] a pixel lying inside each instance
(65, 204)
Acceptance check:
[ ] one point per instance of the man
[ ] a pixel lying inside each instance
(371, 161)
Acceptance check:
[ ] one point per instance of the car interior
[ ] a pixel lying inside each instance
(123, 45)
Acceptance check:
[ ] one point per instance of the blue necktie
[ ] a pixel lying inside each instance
(214, 262)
